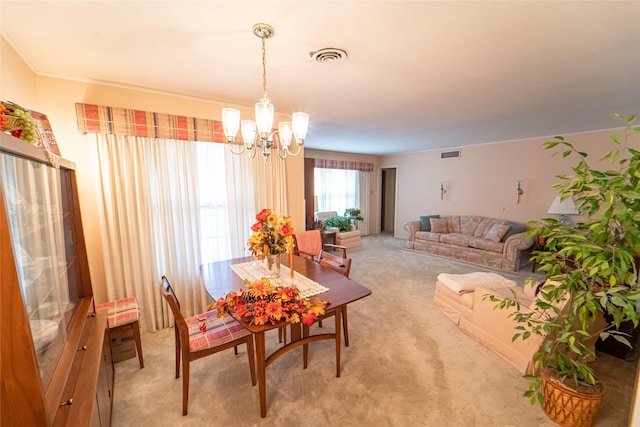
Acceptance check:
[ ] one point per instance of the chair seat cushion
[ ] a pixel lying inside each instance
(217, 331)
(121, 312)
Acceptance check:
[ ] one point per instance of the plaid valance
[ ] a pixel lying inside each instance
(343, 164)
(121, 121)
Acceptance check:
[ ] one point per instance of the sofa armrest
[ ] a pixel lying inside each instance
(411, 228)
(495, 327)
(518, 242)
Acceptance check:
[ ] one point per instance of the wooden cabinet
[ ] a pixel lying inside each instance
(54, 369)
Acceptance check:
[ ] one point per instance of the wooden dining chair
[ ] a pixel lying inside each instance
(308, 244)
(342, 265)
(201, 335)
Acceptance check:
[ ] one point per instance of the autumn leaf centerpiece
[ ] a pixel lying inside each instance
(261, 302)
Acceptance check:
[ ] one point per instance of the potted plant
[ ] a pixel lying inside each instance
(353, 214)
(341, 222)
(592, 274)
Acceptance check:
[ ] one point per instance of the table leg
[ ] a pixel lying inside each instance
(262, 380)
(338, 317)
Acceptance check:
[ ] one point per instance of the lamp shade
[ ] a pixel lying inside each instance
(563, 207)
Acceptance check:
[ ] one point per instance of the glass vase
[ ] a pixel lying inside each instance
(272, 266)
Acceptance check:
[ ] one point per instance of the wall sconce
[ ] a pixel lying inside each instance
(519, 192)
(442, 191)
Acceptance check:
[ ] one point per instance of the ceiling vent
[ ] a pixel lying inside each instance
(450, 154)
(328, 56)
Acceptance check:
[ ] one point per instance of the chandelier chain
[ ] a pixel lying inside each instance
(264, 68)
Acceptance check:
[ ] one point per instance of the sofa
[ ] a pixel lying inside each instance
(465, 299)
(347, 239)
(493, 242)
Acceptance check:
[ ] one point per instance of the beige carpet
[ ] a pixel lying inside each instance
(407, 365)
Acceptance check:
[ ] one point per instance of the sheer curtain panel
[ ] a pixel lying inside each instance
(150, 225)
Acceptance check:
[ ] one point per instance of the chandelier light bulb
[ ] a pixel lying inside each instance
(230, 123)
(300, 126)
(248, 133)
(264, 117)
(286, 132)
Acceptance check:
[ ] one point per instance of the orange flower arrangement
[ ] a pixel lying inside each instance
(272, 234)
(261, 302)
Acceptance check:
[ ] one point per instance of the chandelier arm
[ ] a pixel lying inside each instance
(282, 150)
(230, 145)
(297, 152)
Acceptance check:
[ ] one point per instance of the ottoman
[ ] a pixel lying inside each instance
(125, 314)
(454, 292)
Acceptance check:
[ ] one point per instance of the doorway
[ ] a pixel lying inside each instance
(388, 199)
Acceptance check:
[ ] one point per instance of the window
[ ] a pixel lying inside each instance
(336, 189)
(215, 241)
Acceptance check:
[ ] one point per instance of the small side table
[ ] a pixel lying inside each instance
(328, 237)
(538, 245)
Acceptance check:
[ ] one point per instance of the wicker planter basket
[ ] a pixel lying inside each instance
(568, 407)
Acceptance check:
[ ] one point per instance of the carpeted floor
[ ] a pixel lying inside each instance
(407, 365)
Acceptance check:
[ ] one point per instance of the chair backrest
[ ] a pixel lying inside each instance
(308, 243)
(336, 263)
(321, 216)
(174, 305)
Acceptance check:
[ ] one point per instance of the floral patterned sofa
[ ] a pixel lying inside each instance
(493, 242)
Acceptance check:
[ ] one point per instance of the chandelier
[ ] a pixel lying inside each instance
(258, 134)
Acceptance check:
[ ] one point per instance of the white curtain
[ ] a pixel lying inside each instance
(364, 179)
(253, 184)
(170, 206)
(151, 223)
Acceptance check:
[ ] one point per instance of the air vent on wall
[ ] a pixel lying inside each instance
(450, 154)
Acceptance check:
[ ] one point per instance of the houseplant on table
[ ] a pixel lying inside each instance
(592, 272)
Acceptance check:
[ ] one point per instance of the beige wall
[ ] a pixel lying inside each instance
(483, 180)
(57, 97)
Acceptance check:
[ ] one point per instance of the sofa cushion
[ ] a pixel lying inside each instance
(456, 239)
(428, 236)
(486, 244)
(453, 223)
(495, 232)
(425, 225)
(439, 225)
(469, 223)
(484, 223)
(514, 228)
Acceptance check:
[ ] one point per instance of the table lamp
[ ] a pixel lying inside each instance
(562, 208)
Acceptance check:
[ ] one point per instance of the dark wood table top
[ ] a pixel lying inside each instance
(219, 279)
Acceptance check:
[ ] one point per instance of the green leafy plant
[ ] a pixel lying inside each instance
(341, 222)
(591, 267)
(353, 213)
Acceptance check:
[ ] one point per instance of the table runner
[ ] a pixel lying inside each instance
(253, 270)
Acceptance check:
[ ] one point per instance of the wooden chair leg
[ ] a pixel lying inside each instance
(185, 386)
(235, 350)
(178, 352)
(136, 336)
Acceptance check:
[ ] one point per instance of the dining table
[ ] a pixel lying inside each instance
(222, 277)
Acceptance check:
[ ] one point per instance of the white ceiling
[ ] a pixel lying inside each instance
(420, 74)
